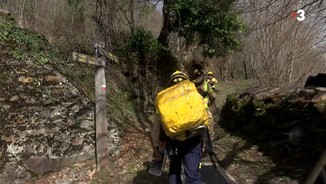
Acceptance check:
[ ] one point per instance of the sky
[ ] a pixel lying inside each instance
(159, 6)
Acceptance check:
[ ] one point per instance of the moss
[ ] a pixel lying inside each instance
(81, 75)
(253, 128)
(269, 121)
(321, 106)
(25, 44)
(229, 112)
(247, 109)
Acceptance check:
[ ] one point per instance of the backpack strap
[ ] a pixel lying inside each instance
(187, 134)
(207, 148)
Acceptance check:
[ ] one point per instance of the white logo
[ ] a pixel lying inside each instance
(300, 16)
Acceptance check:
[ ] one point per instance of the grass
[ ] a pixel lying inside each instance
(81, 75)
(230, 87)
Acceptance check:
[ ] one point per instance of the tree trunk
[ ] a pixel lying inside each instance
(291, 69)
(104, 16)
(132, 15)
(36, 26)
(22, 8)
(229, 66)
(245, 69)
(166, 29)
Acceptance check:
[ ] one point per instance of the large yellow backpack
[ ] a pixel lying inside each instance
(181, 109)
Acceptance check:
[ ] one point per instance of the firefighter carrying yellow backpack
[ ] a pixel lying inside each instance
(181, 109)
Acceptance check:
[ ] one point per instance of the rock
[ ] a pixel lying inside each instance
(14, 98)
(321, 96)
(42, 71)
(4, 107)
(87, 124)
(9, 81)
(320, 89)
(31, 101)
(76, 108)
(20, 88)
(252, 90)
(307, 93)
(273, 115)
(316, 81)
(22, 71)
(55, 113)
(42, 121)
(14, 62)
(4, 12)
(13, 149)
(287, 91)
(14, 171)
(70, 122)
(265, 94)
(40, 131)
(51, 79)
(57, 121)
(42, 165)
(9, 138)
(25, 80)
(78, 141)
(114, 142)
(89, 148)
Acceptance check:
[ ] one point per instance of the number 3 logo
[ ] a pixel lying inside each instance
(301, 14)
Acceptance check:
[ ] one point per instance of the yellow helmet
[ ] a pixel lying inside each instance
(177, 76)
(210, 73)
(198, 72)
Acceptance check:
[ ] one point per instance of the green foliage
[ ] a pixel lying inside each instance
(25, 44)
(147, 9)
(141, 41)
(321, 106)
(210, 23)
(6, 24)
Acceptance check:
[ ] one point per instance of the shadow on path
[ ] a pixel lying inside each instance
(143, 177)
(210, 175)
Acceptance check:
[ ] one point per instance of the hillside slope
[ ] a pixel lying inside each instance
(47, 119)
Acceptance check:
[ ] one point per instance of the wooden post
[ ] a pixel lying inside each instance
(317, 169)
(101, 57)
(102, 155)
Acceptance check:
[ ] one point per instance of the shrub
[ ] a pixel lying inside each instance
(24, 44)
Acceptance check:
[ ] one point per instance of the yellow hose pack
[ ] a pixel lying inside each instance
(181, 108)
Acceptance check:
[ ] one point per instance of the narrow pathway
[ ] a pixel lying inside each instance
(211, 175)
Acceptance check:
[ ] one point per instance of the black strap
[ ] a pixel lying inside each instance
(211, 153)
(208, 148)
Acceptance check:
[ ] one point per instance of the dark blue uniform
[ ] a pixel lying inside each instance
(189, 153)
